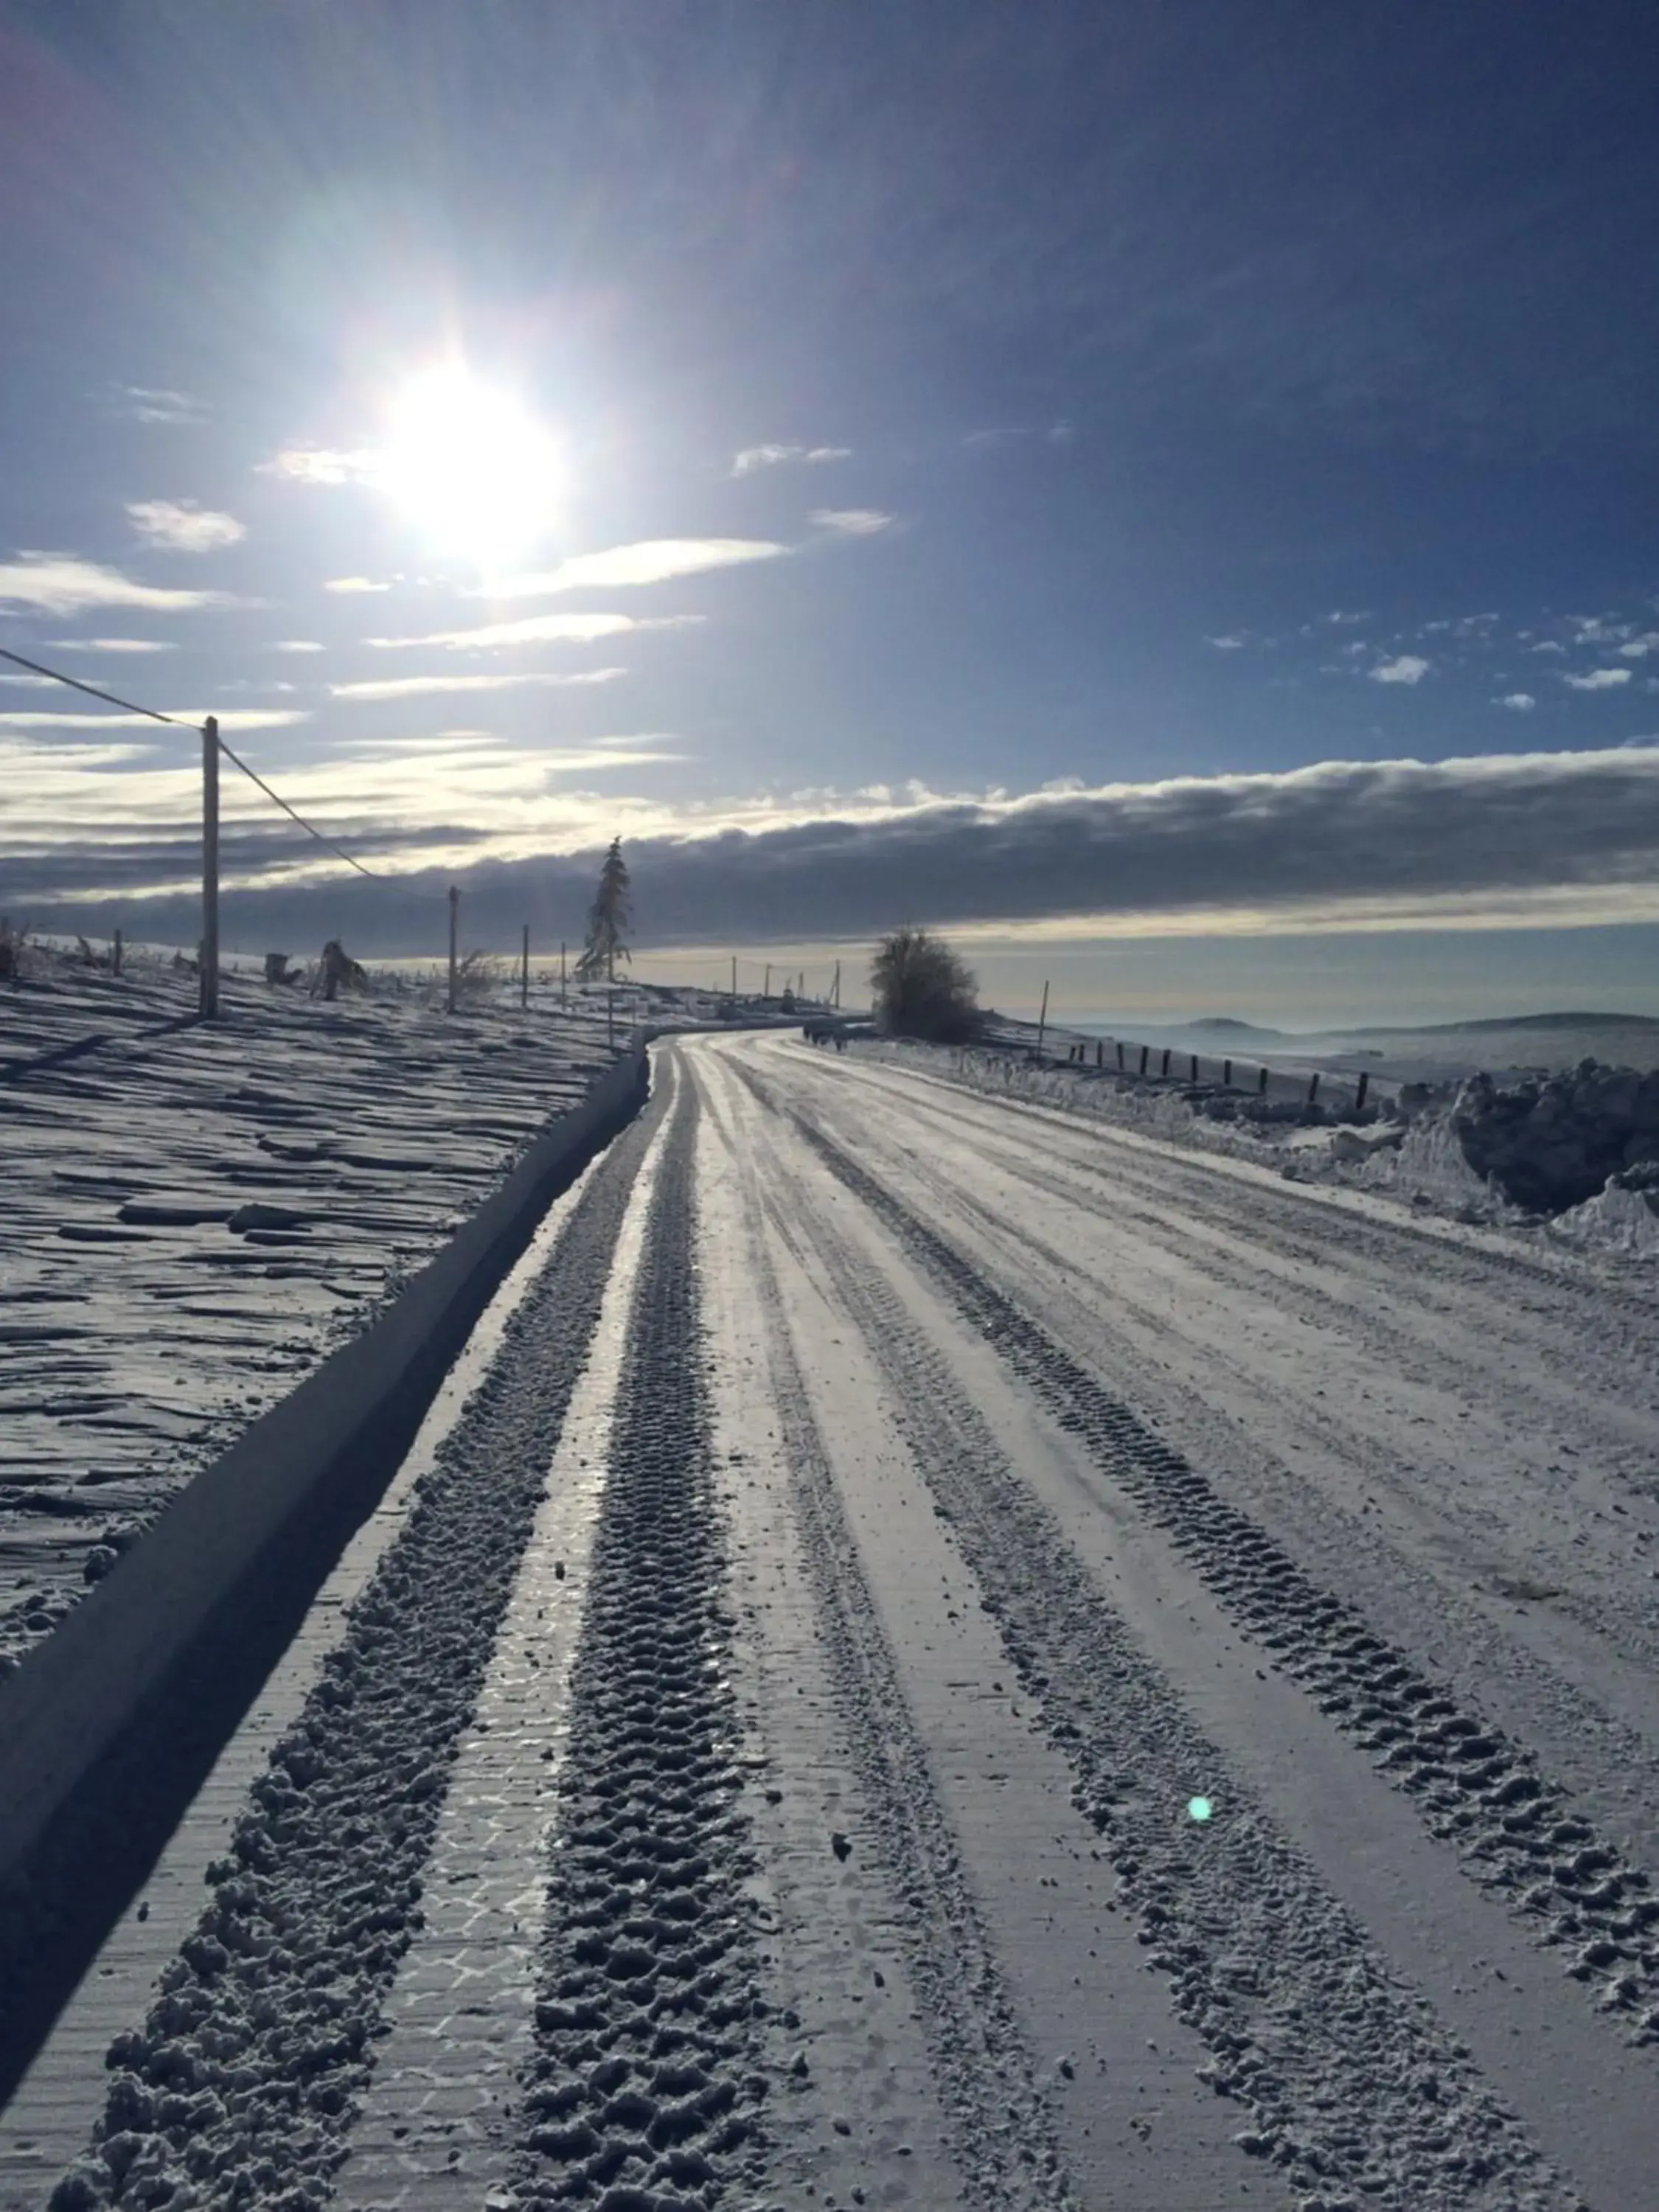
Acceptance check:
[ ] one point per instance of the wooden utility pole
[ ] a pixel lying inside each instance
(561, 988)
(835, 991)
(454, 931)
(766, 987)
(207, 996)
(524, 973)
(734, 978)
(1043, 1021)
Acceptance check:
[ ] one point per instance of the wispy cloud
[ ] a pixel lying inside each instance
(1227, 644)
(1342, 619)
(1056, 433)
(324, 464)
(1599, 679)
(1404, 668)
(295, 645)
(1638, 649)
(853, 521)
(536, 629)
(59, 584)
(771, 456)
(1519, 702)
(1599, 630)
(113, 644)
(145, 404)
(179, 526)
(353, 584)
(254, 718)
(654, 560)
(1547, 645)
(415, 687)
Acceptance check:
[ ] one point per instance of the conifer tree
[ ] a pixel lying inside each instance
(610, 914)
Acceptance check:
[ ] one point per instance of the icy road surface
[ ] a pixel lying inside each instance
(954, 1657)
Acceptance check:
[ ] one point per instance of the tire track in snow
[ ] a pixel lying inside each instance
(437, 2116)
(645, 2093)
(1003, 2139)
(1515, 1831)
(1350, 2084)
(240, 2088)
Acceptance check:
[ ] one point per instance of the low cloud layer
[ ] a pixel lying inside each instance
(1269, 850)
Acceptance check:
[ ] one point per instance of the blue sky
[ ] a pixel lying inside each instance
(1050, 472)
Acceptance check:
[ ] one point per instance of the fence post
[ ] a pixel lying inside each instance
(1313, 1087)
(1365, 1085)
(523, 974)
(1146, 1050)
(1194, 1067)
(1261, 1086)
(561, 988)
(1100, 1052)
(1227, 1075)
(1120, 1059)
(207, 996)
(1042, 1022)
(454, 927)
(115, 955)
(1165, 1071)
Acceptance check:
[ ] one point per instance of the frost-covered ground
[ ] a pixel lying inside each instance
(193, 1216)
(955, 1658)
(1413, 1152)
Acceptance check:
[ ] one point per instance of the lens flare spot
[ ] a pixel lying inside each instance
(1199, 1808)
(474, 472)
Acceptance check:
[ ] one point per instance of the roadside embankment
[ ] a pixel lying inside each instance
(114, 1721)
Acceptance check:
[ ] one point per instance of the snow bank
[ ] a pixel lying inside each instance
(1572, 1157)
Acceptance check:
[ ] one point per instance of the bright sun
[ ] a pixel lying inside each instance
(478, 476)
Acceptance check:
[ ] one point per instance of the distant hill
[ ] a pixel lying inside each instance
(1226, 1025)
(1542, 1023)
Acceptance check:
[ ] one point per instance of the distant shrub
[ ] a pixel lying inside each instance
(922, 989)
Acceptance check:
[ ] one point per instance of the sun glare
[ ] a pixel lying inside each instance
(478, 476)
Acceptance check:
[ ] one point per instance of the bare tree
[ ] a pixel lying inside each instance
(922, 989)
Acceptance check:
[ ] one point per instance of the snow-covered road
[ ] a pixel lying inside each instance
(957, 1657)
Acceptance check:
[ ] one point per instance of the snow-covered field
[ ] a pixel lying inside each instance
(961, 1656)
(193, 1216)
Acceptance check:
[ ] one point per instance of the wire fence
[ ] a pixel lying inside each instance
(1282, 1082)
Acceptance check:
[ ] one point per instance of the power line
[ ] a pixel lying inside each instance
(91, 690)
(128, 707)
(279, 800)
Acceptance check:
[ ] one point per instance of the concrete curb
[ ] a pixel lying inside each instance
(107, 1729)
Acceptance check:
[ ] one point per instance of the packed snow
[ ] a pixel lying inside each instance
(956, 1657)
